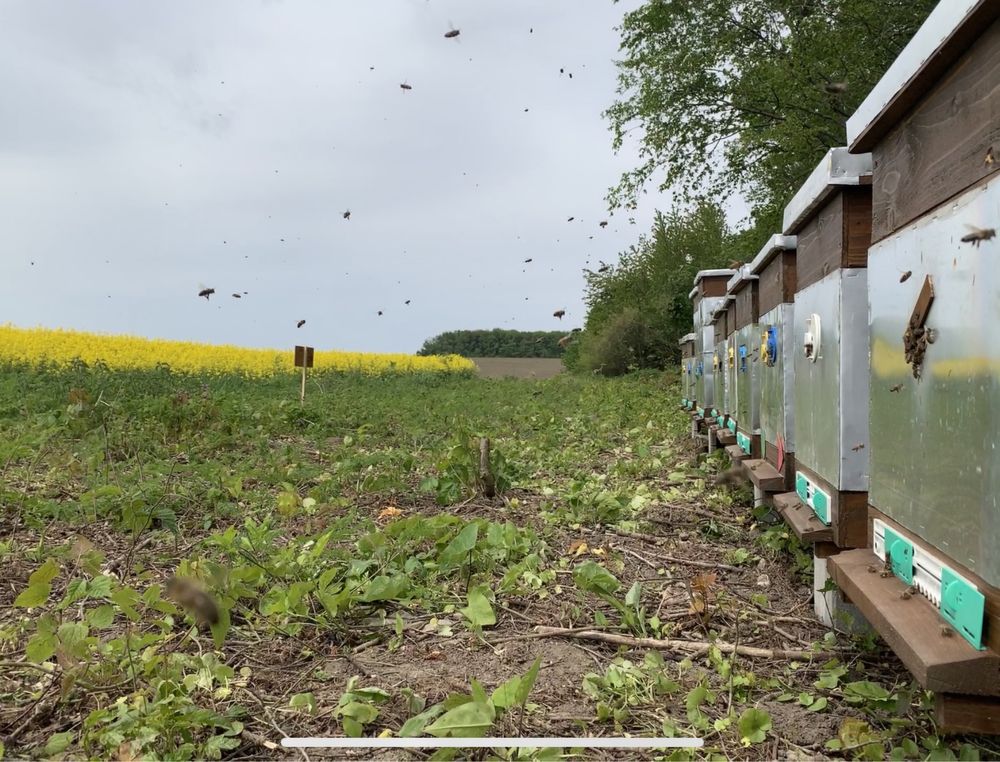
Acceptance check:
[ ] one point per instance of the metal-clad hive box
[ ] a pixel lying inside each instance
(719, 376)
(687, 370)
(743, 287)
(708, 292)
(831, 219)
(932, 125)
(775, 268)
(732, 367)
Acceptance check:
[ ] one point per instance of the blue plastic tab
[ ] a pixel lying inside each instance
(963, 606)
(899, 550)
(772, 345)
(743, 358)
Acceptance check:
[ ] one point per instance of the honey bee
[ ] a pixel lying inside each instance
(570, 219)
(407, 301)
(896, 388)
(237, 296)
(404, 86)
(300, 324)
(946, 631)
(452, 33)
(347, 214)
(603, 268)
(564, 341)
(559, 314)
(989, 160)
(978, 235)
(527, 260)
(858, 447)
(905, 276)
(735, 264)
(195, 601)
(380, 313)
(206, 292)
(835, 88)
(603, 223)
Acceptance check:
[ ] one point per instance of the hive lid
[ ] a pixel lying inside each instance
(774, 244)
(946, 34)
(710, 273)
(837, 168)
(693, 293)
(742, 275)
(686, 338)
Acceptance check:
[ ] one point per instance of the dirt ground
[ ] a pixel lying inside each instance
(518, 367)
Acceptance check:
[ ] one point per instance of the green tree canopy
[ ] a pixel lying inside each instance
(496, 342)
(747, 95)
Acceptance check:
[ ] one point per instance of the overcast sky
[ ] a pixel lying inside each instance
(148, 150)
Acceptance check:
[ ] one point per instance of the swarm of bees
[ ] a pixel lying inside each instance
(978, 235)
(915, 342)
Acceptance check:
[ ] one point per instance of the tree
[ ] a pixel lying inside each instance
(495, 343)
(639, 309)
(747, 95)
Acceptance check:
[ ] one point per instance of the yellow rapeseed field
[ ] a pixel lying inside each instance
(35, 346)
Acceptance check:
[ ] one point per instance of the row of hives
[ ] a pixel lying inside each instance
(853, 367)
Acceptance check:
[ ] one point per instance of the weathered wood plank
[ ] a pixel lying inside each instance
(765, 476)
(801, 519)
(820, 243)
(913, 629)
(966, 714)
(940, 148)
(777, 281)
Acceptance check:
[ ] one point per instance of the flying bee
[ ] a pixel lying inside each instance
(905, 276)
(978, 235)
(451, 33)
(407, 301)
(603, 268)
(195, 600)
(858, 447)
(564, 341)
(527, 260)
(559, 314)
(896, 388)
(405, 86)
(300, 324)
(989, 160)
(347, 214)
(835, 88)
(735, 265)
(380, 313)
(570, 219)
(206, 292)
(603, 223)
(237, 296)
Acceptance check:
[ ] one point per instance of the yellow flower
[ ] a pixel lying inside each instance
(37, 346)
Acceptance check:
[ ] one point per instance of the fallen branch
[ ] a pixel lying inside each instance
(691, 647)
(258, 741)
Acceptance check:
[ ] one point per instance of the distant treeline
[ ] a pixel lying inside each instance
(495, 343)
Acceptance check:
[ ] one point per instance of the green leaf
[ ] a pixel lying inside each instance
(528, 681)
(458, 549)
(414, 726)
(34, 595)
(753, 726)
(634, 595)
(818, 705)
(303, 701)
(71, 637)
(505, 695)
(470, 720)
(591, 577)
(383, 588)
(43, 575)
(127, 599)
(479, 612)
(41, 647)
(58, 743)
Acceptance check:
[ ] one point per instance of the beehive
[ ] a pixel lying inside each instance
(932, 125)
(830, 216)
